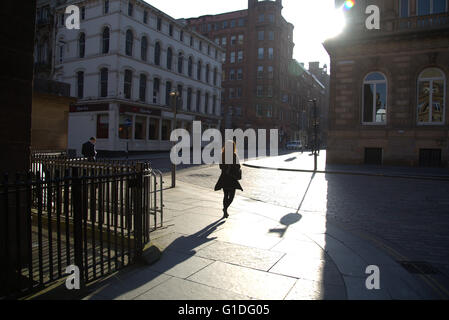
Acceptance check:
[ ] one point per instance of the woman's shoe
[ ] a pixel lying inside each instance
(225, 215)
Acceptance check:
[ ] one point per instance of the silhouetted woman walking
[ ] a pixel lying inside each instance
(230, 174)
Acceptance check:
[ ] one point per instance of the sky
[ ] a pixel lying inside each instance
(314, 20)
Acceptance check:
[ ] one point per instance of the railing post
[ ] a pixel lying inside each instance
(138, 232)
(78, 223)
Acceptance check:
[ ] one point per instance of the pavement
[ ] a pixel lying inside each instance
(284, 247)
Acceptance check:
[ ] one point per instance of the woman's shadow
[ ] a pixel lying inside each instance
(178, 251)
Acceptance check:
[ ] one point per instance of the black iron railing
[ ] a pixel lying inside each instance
(64, 212)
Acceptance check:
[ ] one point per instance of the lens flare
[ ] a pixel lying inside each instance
(349, 4)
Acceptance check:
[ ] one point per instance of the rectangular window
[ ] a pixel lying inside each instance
(239, 74)
(240, 39)
(83, 13)
(102, 126)
(128, 84)
(241, 22)
(198, 100)
(232, 74)
(270, 72)
(170, 30)
(159, 23)
(404, 8)
(225, 24)
(269, 112)
(270, 92)
(153, 133)
(231, 93)
(270, 35)
(233, 40)
(232, 57)
(223, 58)
(145, 16)
(239, 92)
(181, 36)
(270, 53)
(140, 128)
(125, 127)
(223, 42)
(217, 41)
(260, 72)
(143, 88)
(130, 9)
(261, 17)
(271, 18)
(106, 7)
(259, 91)
(261, 35)
(80, 84)
(259, 111)
(166, 130)
(260, 54)
(232, 23)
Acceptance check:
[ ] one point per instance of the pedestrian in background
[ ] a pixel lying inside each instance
(231, 173)
(88, 149)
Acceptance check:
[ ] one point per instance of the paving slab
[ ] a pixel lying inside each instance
(315, 290)
(253, 283)
(180, 289)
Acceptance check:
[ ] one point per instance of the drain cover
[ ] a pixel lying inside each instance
(418, 267)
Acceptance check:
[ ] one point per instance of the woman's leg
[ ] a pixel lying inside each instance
(231, 196)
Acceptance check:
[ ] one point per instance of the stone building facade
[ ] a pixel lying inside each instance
(123, 64)
(389, 87)
(258, 44)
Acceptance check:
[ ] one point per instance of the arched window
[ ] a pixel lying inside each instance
(207, 73)
(82, 44)
(104, 82)
(144, 48)
(129, 43)
(80, 84)
(190, 67)
(157, 54)
(431, 98)
(169, 58)
(143, 88)
(375, 99)
(127, 88)
(180, 62)
(106, 37)
(198, 73)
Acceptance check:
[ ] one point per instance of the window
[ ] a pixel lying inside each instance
(191, 41)
(167, 93)
(232, 74)
(240, 39)
(170, 30)
(190, 67)
(225, 24)
(200, 47)
(198, 100)
(223, 58)
(61, 53)
(169, 58)
(208, 49)
(143, 88)
(232, 23)
(140, 128)
(215, 76)
(269, 111)
(375, 98)
(223, 41)
(260, 72)
(270, 35)
(233, 40)
(105, 42)
(241, 22)
(157, 54)
(180, 62)
(83, 13)
(206, 104)
(198, 71)
(431, 96)
(189, 99)
(129, 43)
(166, 130)
(207, 73)
(181, 36)
(260, 54)
(239, 74)
(145, 16)
(270, 72)
(156, 83)
(159, 23)
(270, 53)
(179, 99)
(259, 111)
(125, 127)
(102, 126)
(271, 18)
(128, 84)
(144, 48)
(404, 8)
(104, 82)
(259, 91)
(153, 132)
(261, 17)
(82, 45)
(260, 35)
(214, 104)
(80, 84)
(231, 93)
(106, 6)
(240, 56)
(270, 92)
(426, 7)
(217, 41)
(232, 57)
(130, 9)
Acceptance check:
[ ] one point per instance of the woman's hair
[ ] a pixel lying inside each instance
(229, 144)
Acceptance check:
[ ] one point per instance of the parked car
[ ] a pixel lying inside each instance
(294, 145)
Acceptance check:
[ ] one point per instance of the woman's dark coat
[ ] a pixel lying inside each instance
(227, 178)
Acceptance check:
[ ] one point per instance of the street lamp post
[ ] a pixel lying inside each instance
(315, 131)
(174, 100)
